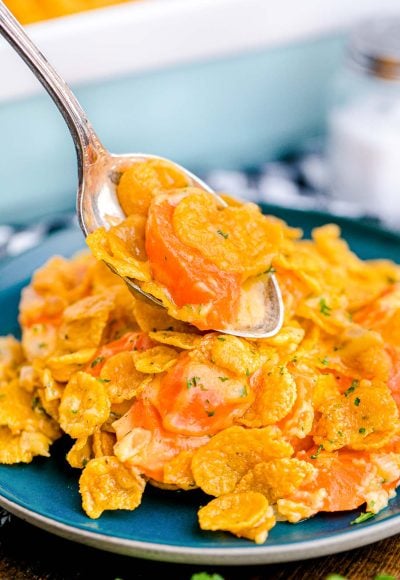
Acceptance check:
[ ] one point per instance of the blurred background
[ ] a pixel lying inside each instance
(297, 106)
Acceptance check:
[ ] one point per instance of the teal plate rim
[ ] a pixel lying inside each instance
(164, 527)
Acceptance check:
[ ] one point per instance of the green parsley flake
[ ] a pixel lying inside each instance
(96, 361)
(103, 380)
(315, 455)
(352, 388)
(357, 401)
(223, 234)
(363, 517)
(192, 382)
(324, 308)
(223, 379)
(361, 430)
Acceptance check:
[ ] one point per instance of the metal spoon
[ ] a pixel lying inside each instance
(96, 198)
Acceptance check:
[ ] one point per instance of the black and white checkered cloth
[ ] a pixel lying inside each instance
(297, 182)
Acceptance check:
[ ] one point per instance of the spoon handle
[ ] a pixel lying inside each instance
(87, 144)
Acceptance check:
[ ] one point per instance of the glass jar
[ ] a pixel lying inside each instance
(363, 141)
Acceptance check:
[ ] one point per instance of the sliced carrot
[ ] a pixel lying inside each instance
(190, 278)
(195, 398)
(394, 378)
(161, 446)
(345, 475)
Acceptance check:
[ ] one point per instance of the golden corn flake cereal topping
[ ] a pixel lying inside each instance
(245, 514)
(121, 378)
(220, 464)
(84, 405)
(236, 354)
(178, 470)
(63, 367)
(151, 318)
(80, 453)
(106, 484)
(182, 340)
(278, 478)
(11, 355)
(119, 251)
(276, 393)
(22, 448)
(155, 360)
(84, 322)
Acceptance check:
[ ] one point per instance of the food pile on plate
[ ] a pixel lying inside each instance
(272, 429)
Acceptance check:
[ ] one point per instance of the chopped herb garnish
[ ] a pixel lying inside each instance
(42, 344)
(223, 234)
(315, 455)
(103, 380)
(192, 382)
(324, 308)
(363, 517)
(221, 338)
(96, 361)
(223, 379)
(210, 413)
(352, 388)
(361, 430)
(247, 373)
(74, 411)
(324, 361)
(357, 401)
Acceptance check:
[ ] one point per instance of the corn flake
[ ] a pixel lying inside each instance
(122, 380)
(183, 340)
(84, 405)
(246, 515)
(155, 360)
(106, 484)
(23, 447)
(220, 464)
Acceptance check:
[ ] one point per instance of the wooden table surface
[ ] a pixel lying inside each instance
(26, 552)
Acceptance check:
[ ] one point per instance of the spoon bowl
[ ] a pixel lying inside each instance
(97, 203)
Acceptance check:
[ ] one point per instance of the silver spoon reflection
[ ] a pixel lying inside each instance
(97, 202)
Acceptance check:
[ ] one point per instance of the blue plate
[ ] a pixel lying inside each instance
(165, 526)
